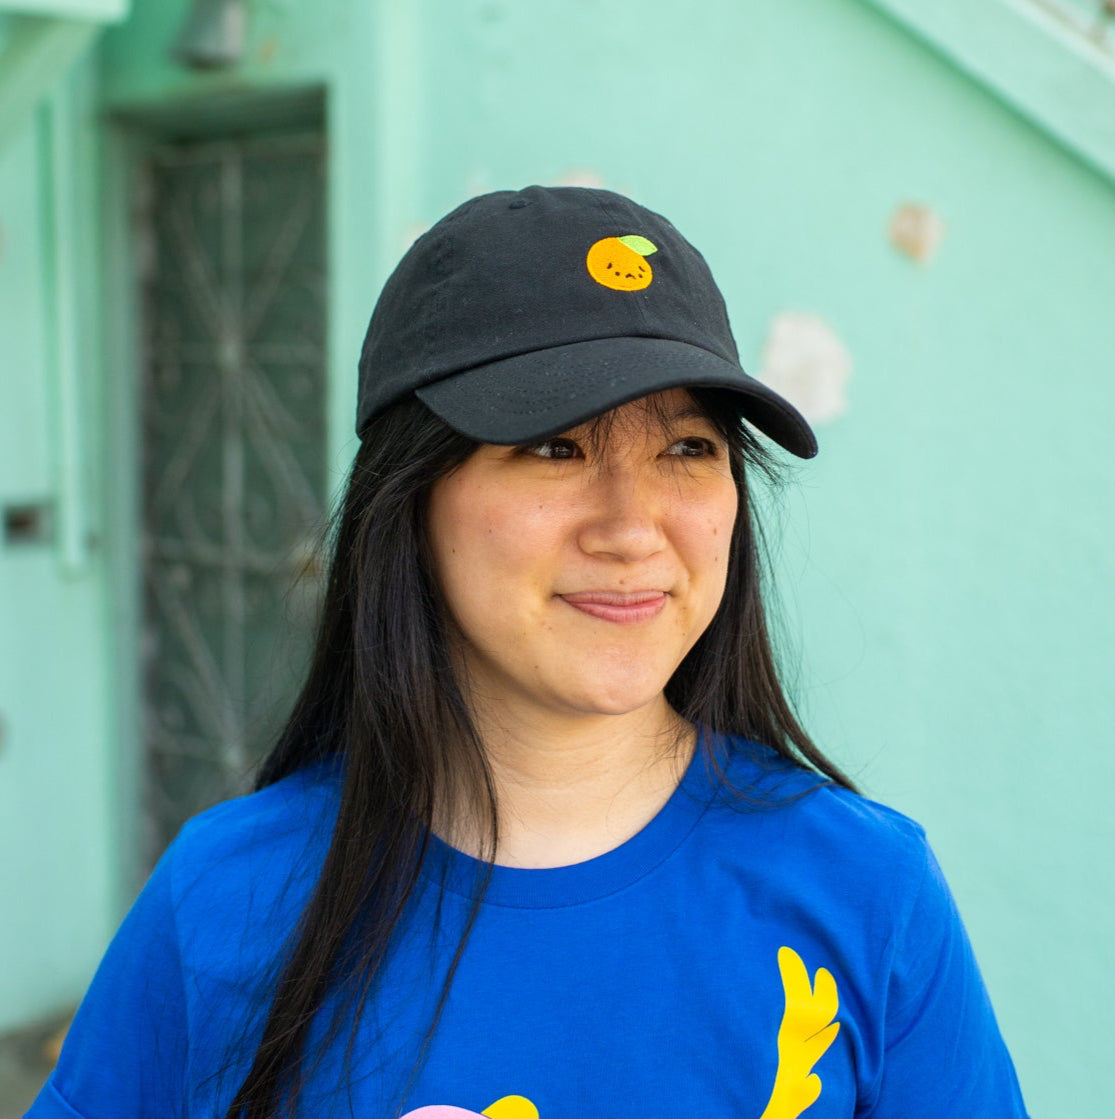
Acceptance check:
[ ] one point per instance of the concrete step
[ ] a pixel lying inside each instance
(26, 1057)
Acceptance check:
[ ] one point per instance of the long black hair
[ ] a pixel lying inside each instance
(381, 695)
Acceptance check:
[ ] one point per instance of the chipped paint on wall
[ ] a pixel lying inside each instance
(806, 361)
(580, 177)
(917, 230)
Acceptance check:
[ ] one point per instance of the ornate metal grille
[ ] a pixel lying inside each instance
(233, 457)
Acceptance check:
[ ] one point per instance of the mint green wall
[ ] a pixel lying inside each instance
(57, 772)
(945, 562)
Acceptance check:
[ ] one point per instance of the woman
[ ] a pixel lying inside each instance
(542, 837)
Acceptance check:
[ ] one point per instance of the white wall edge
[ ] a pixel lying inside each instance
(1038, 61)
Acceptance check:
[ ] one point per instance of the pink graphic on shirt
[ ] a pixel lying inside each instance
(438, 1111)
(510, 1107)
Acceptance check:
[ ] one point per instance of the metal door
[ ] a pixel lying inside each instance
(233, 457)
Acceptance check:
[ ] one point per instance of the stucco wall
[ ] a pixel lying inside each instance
(59, 894)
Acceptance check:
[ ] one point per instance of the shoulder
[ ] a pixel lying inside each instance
(278, 812)
(817, 836)
(759, 778)
(851, 885)
(254, 848)
(190, 967)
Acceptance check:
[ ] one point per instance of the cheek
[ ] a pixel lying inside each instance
(486, 548)
(497, 540)
(706, 548)
(707, 537)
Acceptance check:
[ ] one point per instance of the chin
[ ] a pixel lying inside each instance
(618, 697)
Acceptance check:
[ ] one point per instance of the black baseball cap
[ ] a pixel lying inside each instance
(524, 313)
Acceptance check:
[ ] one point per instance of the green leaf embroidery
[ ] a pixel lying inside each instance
(639, 244)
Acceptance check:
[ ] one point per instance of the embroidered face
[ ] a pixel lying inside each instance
(620, 262)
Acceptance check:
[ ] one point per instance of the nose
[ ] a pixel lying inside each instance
(623, 516)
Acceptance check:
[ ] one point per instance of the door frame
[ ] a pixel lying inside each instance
(128, 137)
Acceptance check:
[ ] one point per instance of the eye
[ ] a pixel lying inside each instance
(693, 447)
(553, 448)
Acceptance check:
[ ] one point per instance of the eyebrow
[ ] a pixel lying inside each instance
(668, 418)
(684, 413)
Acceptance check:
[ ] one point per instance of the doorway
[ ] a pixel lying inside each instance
(232, 307)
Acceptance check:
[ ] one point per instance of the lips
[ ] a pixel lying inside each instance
(618, 606)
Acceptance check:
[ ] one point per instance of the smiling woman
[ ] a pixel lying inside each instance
(542, 836)
(577, 574)
(531, 542)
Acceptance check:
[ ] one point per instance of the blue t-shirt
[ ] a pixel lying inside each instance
(796, 953)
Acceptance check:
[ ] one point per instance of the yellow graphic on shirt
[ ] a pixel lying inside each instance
(509, 1107)
(620, 263)
(807, 1030)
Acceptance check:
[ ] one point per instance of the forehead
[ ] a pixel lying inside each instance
(648, 413)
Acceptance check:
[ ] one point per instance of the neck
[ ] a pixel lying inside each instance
(571, 788)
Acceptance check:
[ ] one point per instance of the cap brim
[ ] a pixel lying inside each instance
(534, 395)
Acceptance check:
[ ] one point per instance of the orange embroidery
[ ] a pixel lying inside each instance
(620, 262)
